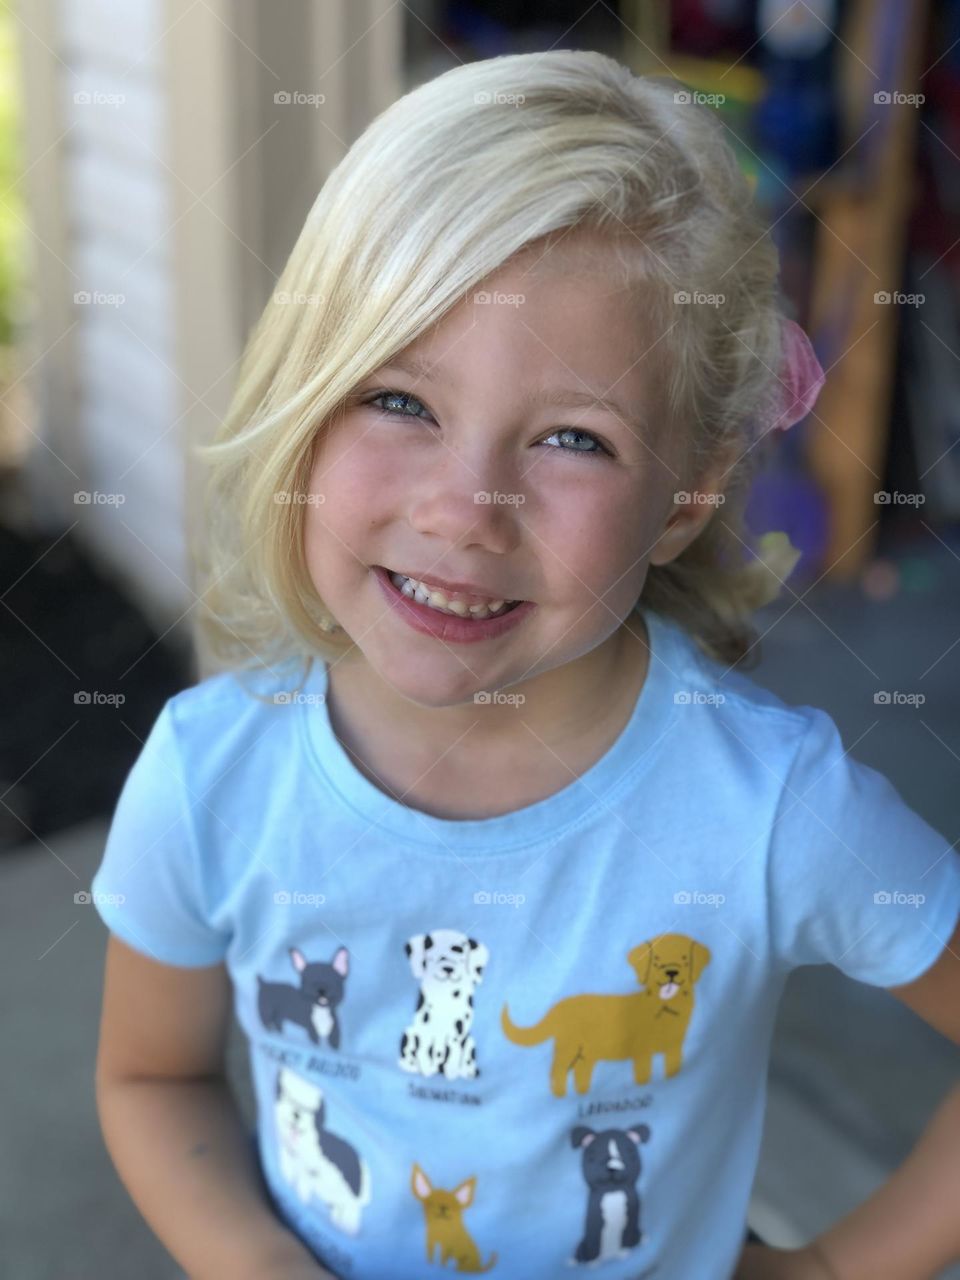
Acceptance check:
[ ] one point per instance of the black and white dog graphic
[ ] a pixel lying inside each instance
(611, 1167)
(312, 1005)
(314, 1161)
(449, 966)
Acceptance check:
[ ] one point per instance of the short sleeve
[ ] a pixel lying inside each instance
(148, 887)
(856, 878)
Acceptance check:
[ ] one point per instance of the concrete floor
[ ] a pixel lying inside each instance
(854, 1076)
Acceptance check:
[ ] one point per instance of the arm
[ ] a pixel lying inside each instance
(908, 1229)
(172, 1126)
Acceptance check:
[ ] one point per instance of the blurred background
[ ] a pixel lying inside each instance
(157, 160)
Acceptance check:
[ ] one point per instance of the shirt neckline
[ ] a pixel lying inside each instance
(631, 753)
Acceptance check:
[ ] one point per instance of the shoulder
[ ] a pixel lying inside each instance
(729, 711)
(225, 714)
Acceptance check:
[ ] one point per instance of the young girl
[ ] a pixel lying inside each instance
(499, 862)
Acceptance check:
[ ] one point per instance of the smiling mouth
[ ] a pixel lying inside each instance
(447, 602)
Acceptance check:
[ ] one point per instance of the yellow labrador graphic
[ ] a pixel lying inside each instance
(588, 1029)
(445, 1230)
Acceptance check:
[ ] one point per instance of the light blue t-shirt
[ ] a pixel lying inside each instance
(535, 1041)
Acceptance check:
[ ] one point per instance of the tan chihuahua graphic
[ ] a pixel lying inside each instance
(445, 1230)
(588, 1029)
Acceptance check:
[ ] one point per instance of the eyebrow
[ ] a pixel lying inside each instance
(418, 367)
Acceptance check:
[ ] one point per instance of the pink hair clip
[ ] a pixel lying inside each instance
(801, 378)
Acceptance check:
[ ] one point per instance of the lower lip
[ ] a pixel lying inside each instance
(446, 626)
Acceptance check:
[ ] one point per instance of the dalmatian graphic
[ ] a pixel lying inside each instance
(449, 967)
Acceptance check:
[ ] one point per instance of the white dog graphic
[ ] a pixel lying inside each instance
(448, 965)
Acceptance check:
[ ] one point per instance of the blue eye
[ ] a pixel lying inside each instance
(395, 395)
(586, 435)
(408, 399)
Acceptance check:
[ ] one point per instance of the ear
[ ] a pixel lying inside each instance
(464, 1193)
(420, 1183)
(640, 958)
(414, 948)
(479, 955)
(699, 959)
(692, 508)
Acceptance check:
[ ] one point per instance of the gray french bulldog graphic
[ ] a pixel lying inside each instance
(313, 1004)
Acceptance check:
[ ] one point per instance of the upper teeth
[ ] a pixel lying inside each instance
(420, 592)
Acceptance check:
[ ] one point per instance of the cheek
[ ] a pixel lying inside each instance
(595, 531)
(354, 469)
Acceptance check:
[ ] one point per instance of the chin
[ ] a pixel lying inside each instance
(430, 684)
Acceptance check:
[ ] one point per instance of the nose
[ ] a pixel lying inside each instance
(468, 499)
(672, 974)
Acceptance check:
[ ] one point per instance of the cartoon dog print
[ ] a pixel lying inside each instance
(314, 1161)
(611, 1167)
(312, 1005)
(588, 1029)
(449, 967)
(443, 1211)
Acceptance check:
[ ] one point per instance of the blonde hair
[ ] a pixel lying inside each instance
(441, 190)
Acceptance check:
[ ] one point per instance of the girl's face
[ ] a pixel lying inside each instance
(580, 492)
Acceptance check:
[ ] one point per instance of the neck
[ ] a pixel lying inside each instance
(560, 706)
